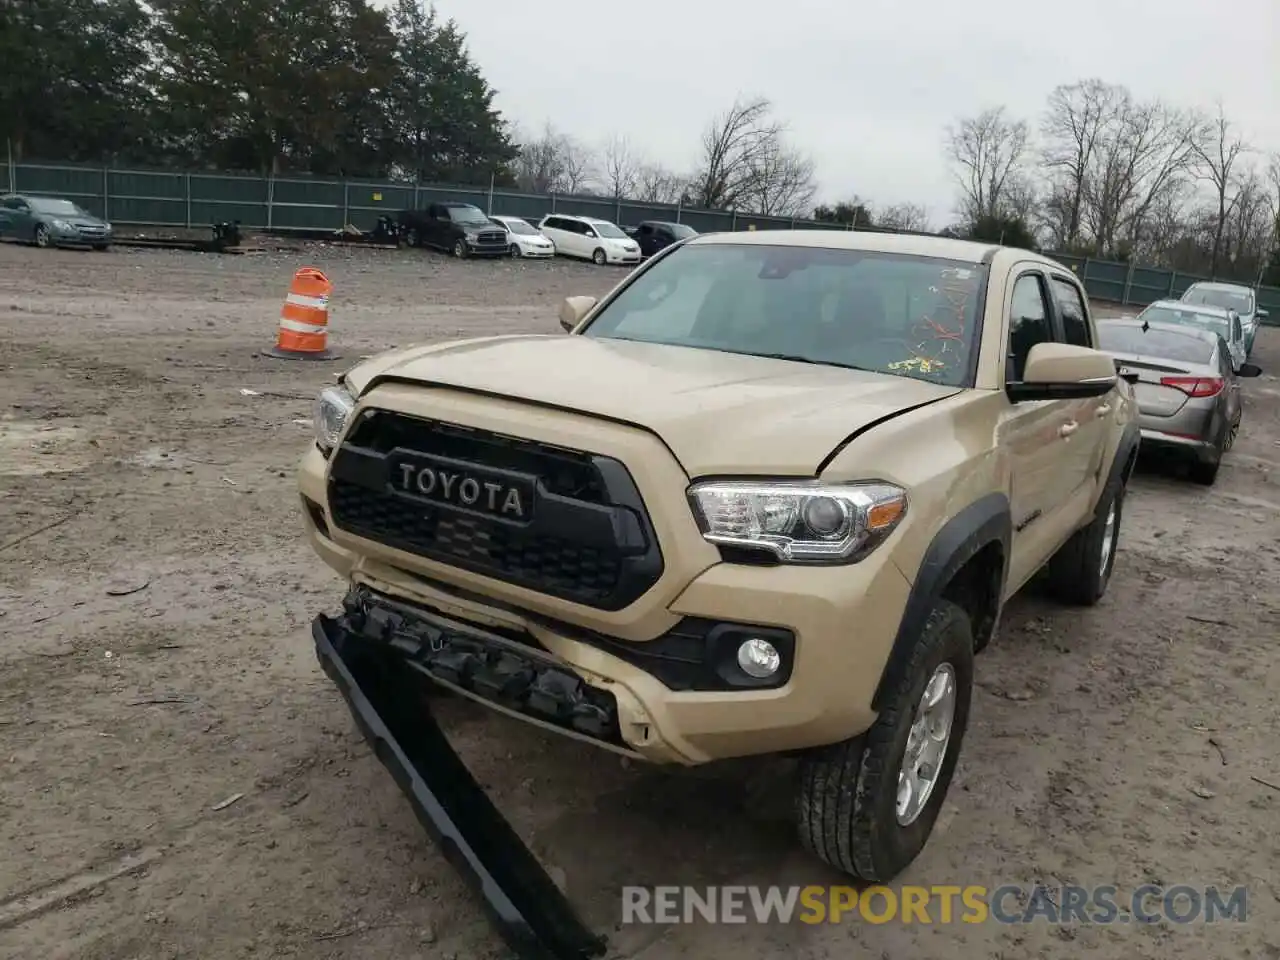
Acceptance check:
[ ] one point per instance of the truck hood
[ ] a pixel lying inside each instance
(719, 413)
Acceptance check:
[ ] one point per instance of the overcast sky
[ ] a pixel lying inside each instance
(866, 86)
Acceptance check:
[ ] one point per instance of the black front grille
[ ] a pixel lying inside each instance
(494, 237)
(589, 539)
(557, 565)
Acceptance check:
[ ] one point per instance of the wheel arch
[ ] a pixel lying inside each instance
(967, 562)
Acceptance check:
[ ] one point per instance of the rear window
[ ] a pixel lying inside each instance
(1241, 302)
(1166, 344)
(1188, 318)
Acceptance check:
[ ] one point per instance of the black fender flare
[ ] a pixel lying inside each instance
(1126, 457)
(985, 521)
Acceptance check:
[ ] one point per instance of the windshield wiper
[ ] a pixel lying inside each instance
(799, 359)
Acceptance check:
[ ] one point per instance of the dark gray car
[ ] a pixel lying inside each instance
(1187, 392)
(51, 222)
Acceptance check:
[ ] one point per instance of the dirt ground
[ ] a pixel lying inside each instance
(155, 662)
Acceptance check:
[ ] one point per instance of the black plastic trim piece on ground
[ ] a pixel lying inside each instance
(531, 913)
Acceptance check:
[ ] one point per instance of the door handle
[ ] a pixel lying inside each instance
(1104, 409)
(1067, 429)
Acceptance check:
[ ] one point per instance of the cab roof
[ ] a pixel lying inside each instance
(944, 248)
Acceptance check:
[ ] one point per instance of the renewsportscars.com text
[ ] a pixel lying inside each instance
(1008, 904)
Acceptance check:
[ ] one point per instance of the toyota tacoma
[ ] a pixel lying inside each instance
(769, 495)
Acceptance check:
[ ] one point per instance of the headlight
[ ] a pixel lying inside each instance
(329, 415)
(62, 225)
(799, 521)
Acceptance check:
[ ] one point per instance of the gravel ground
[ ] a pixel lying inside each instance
(155, 662)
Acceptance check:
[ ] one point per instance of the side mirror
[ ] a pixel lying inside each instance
(1064, 371)
(1261, 314)
(1249, 370)
(573, 310)
(590, 233)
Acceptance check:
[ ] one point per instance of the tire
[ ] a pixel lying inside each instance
(460, 249)
(515, 251)
(599, 258)
(846, 804)
(1205, 474)
(412, 237)
(41, 235)
(1232, 432)
(1081, 569)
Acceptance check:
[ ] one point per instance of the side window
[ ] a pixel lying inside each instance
(1028, 323)
(646, 229)
(553, 223)
(1237, 331)
(1075, 321)
(1224, 360)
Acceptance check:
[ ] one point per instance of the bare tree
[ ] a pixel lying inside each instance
(540, 163)
(987, 151)
(733, 146)
(909, 217)
(1250, 224)
(781, 182)
(1142, 151)
(619, 167)
(579, 166)
(1215, 154)
(657, 184)
(1073, 124)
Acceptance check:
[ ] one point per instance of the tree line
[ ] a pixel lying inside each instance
(344, 88)
(334, 87)
(1104, 173)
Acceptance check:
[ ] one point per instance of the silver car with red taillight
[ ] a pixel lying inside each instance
(1188, 393)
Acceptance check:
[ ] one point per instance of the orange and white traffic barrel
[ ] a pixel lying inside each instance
(303, 333)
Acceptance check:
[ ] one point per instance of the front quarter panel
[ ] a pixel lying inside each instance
(945, 455)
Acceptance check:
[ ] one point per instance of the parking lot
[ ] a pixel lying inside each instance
(178, 779)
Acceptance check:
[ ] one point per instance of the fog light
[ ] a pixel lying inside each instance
(759, 658)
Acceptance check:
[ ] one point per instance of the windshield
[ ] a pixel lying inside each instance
(1188, 318)
(681, 231)
(903, 315)
(56, 208)
(1167, 344)
(468, 215)
(609, 231)
(1239, 301)
(520, 227)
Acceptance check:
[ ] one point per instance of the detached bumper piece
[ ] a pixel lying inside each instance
(533, 916)
(513, 675)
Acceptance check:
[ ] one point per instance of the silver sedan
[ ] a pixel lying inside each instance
(1187, 391)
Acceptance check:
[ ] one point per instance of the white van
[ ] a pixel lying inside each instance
(588, 238)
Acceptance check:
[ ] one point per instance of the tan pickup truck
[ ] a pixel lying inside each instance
(767, 496)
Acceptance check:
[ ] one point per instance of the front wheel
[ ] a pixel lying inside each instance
(412, 237)
(460, 249)
(41, 236)
(868, 805)
(599, 258)
(515, 251)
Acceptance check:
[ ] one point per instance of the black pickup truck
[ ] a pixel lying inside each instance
(654, 235)
(462, 229)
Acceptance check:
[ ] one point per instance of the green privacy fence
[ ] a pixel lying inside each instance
(168, 199)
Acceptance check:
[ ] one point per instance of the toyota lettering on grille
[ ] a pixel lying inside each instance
(471, 487)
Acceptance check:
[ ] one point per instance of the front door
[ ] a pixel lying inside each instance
(1032, 432)
(1091, 416)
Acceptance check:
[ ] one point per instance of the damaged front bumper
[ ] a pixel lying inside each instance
(369, 654)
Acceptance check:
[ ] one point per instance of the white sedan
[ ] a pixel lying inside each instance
(526, 240)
